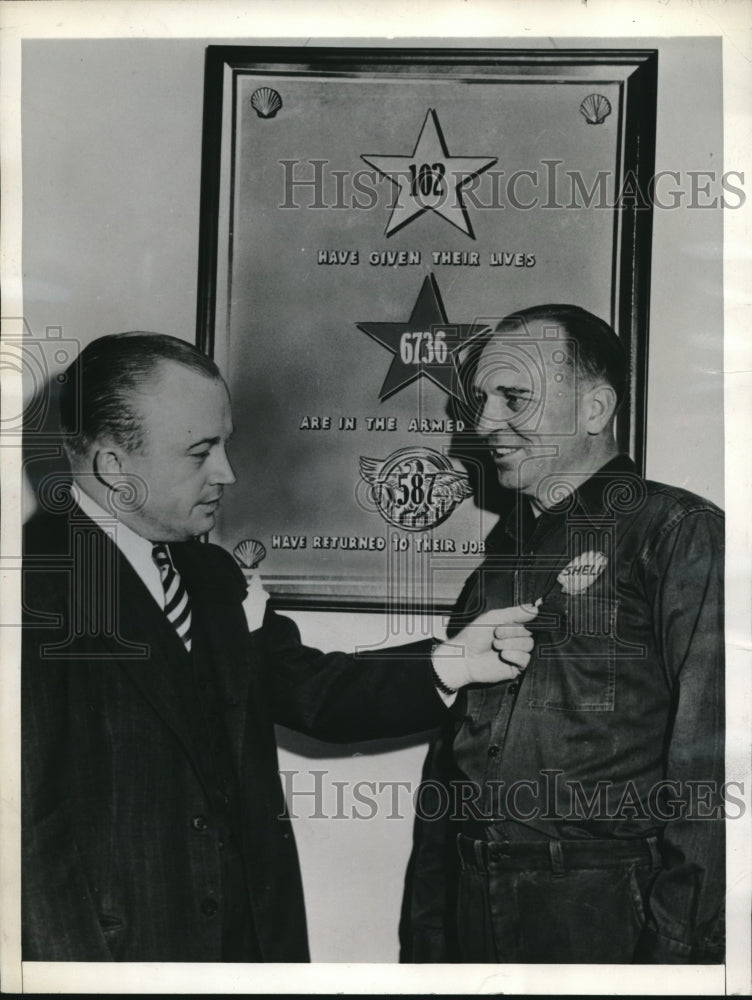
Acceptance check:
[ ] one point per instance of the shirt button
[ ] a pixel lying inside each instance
(513, 688)
(209, 907)
(199, 823)
(221, 844)
(493, 751)
(223, 801)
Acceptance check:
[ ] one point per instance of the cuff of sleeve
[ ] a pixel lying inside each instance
(447, 694)
(448, 699)
(654, 948)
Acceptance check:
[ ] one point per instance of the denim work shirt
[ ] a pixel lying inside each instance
(615, 729)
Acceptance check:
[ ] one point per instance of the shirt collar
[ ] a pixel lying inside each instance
(591, 498)
(126, 539)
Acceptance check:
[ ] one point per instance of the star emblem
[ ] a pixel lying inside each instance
(430, 180)
(424, 345)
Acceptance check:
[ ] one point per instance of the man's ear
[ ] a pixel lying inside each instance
(107, 463)
(598, 407)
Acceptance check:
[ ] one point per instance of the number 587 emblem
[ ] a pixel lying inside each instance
(415, 488)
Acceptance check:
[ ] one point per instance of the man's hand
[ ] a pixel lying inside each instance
(495, 647)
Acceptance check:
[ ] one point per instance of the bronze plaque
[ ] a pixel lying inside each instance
(365, 215)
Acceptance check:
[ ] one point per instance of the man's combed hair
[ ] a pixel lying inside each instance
(98, 391)
(600, 354)
(594, 350)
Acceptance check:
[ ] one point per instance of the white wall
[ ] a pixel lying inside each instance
(111, 141)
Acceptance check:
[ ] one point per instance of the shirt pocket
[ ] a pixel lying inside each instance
(574, 665)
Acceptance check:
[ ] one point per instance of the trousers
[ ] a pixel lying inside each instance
(553, 901)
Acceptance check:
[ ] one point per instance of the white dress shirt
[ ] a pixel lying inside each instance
(137, 550)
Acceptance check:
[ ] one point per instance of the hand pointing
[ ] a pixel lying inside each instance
(495, 647)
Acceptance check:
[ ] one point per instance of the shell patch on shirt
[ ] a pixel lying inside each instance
(582, 571)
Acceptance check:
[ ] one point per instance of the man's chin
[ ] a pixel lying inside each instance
(204, 521)
(509, 478)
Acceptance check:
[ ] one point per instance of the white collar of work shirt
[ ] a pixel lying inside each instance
(137, 550)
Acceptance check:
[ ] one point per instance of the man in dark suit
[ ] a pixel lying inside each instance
(154, 825)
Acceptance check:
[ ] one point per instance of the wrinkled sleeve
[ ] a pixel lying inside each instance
(684, 576)
(347, 697)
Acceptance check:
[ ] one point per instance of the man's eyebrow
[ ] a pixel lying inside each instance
(203, 441)
(519, 390)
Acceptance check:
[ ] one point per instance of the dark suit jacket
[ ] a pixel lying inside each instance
(116, 863)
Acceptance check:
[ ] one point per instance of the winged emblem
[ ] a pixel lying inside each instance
(415, 488)
(383, 488)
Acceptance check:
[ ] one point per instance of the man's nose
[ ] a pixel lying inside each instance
(222, 473)
(492, 417)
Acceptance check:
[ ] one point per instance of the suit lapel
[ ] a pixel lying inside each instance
(162, 669)
(222, 634)
(163, 676)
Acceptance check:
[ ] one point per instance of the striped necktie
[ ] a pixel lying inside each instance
(177, 606)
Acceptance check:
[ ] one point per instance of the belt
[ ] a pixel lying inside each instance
(557, 855)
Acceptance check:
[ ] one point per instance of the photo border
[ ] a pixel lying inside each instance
(640, 19)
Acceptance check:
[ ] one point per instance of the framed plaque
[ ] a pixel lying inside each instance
(365, 214)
